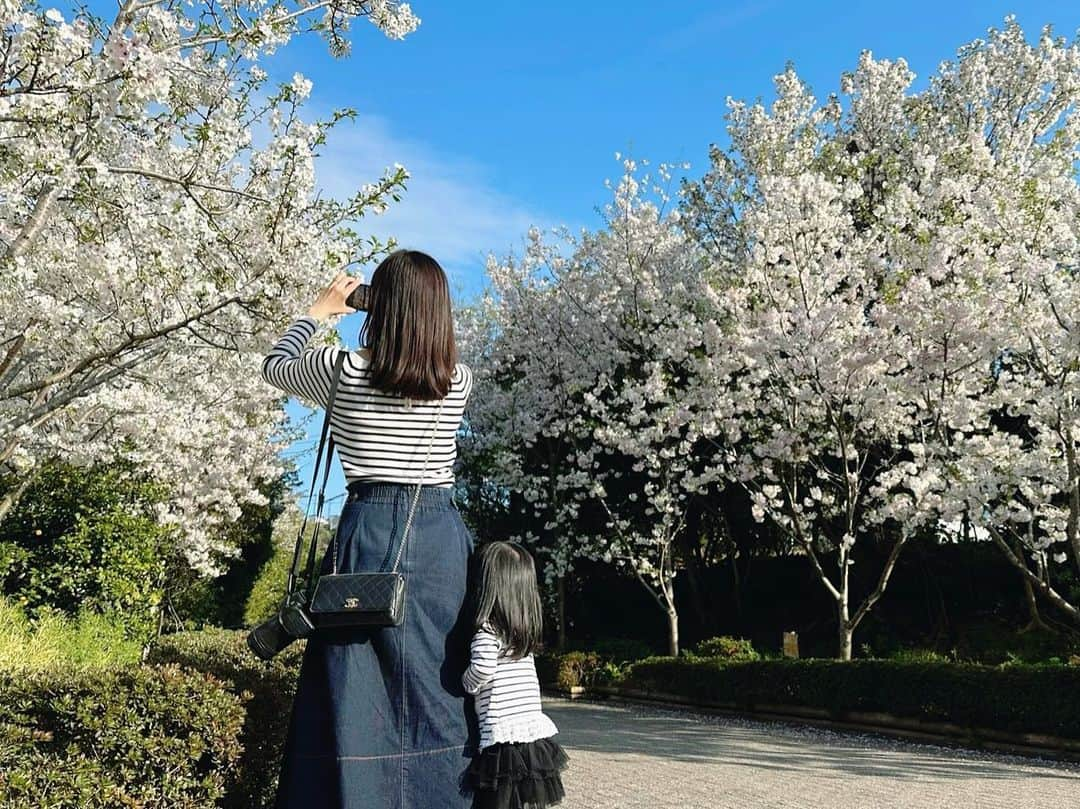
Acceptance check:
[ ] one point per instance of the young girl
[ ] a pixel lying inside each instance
(519, 762)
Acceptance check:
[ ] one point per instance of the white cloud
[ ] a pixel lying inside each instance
(450, 209)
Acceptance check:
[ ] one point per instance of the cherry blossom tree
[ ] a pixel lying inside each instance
(863, 314)
(587, 387)
(158, 224)
(868, 269)
(1000, 130)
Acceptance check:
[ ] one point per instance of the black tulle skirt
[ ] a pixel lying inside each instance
(518, 775)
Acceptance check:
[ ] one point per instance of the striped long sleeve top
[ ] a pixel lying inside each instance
(507, 693)
(379, 436)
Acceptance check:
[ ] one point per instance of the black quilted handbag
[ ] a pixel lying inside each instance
(362, 599)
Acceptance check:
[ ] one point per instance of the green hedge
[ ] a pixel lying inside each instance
(1016, 698)
(143, 736)
(728, 648)
(267, 688)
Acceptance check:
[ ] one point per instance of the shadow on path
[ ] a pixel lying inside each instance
(618, 730)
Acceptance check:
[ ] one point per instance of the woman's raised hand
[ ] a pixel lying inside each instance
(331, 301)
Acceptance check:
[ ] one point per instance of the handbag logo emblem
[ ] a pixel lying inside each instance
(352, 603)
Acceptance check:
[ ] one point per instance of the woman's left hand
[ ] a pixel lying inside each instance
(331, 301)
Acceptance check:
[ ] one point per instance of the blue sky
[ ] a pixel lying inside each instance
(509, 114)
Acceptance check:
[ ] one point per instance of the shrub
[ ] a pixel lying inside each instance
(268, 689)
(610, 673)
(137, 737)
(997, 641)
(266, 593)
(54, 640)
(269, 585)
(568, 670)
(920, 656)
(1018, 698)
(729, 648)
(87, 539)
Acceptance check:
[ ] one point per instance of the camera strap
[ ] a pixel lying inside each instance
(310, 566)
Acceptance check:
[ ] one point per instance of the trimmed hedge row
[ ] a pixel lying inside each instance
(141, 736)
(1014, 698)
(200, 724)
(267, 690)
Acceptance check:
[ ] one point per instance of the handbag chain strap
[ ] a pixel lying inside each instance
(416, 497)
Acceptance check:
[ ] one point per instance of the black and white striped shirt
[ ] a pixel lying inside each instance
(507, 693)
(379, 436)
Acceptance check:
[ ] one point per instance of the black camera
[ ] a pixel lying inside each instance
(360, 298)
(291, 623)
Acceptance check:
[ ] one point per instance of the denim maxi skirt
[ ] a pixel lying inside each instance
(380, 719)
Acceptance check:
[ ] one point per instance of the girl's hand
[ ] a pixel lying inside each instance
(331, 301)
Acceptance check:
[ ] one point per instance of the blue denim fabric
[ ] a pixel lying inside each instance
(380, 717)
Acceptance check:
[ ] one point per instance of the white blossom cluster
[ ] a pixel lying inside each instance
(151, 250)
(864, 313)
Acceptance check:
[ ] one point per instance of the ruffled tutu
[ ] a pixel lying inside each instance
(518, 775)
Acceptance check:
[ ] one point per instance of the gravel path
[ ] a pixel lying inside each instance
(627, 756)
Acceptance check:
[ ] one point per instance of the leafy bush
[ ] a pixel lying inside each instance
(920, 656)
(568, 670)
(137, 737)
(268, 689)
(268, 589)
(729, 648)
(269, 586)
(610, 673)
(54, 640)
(1018, 698)
(84, 539)
(993, 640)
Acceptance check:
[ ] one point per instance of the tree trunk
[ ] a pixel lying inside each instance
(11, 498)
(1040, 586)
(846, 634)
(1035, 620)
(673, 632)
(1072, 525)
(846, 629)
(736, 588)
(560, 641)
(697, 596)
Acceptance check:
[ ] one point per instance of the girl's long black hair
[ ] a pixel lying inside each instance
(506, 596)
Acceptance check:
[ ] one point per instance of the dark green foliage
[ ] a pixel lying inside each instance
(86, 539)
(252, 534)
(153, 738)
(271, 687)
(621, 650)
(727, 648)
(1018, 698)
(568, 670)
(994, 641)
(197, 602)
(264, 600)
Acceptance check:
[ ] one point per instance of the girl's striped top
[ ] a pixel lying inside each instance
(379, 436)
(507, 693)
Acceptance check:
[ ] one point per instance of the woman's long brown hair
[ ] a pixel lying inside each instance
(409, 327)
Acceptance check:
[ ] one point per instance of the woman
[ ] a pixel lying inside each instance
(381, 718)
